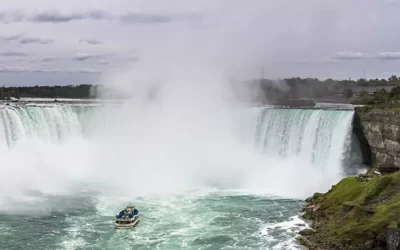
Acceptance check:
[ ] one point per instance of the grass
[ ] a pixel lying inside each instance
(380, 194)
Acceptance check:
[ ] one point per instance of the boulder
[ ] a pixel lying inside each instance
(368, 209)
(347, 207)
(316, 207)
(369, 244)
(381, 238)
(309, 199)
(306, 232)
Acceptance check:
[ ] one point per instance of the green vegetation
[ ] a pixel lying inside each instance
(381, 97)
(83, 91)
(70, 91)
(374, 204)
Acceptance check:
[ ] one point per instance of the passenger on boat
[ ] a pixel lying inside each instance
(128, 211)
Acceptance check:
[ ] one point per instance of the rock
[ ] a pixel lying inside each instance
(371, 235)
(316, 207)
(378, 132)
(309, 199)
(346, 242)
(306, 232)
(301, 225)
(317, 195)
(307, 216)
(381, 237)
(368, 209)
(347, 207)
(369, 244)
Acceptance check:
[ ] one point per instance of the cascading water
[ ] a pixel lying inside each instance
(319, 138)
(59, 148)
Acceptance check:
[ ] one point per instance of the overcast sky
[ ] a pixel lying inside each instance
(73, 42)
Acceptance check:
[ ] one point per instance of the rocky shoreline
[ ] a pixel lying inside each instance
(360, 212)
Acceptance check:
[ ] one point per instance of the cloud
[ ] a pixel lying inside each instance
(48, 59)
(91, 41)
(14, 54)
(152, 18)
(11, 38)
(25, 40)
(389, 56)
(55, 16)
(44, 69)
(104, 62)
(58, 17)
(35, 40)
(12, 17)
(348, 55)
(145, 18)
(87, 71)
(82, 56)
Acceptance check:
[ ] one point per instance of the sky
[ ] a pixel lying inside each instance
(51, 42)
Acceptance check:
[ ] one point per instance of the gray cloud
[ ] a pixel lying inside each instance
(82, 56)
(35, 40)
(104, 62)
(145, 18)
(389, 56)
(44, 69)
(14, 54)
(10, 38)
(58, 17)
(11, 17)
(55, 16)
(25, 40)
(348, 55)
(48, 59)
(153, 18)
(91, 41)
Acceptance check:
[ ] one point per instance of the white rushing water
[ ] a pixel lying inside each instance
(280, 149)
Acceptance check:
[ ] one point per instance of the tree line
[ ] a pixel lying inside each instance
(288, 88)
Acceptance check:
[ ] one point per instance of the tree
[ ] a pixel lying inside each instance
(348, 93)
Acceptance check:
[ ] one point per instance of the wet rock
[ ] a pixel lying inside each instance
(306, 232)
(301, 225)
(381, 237)
(307, 216)
(369, 244)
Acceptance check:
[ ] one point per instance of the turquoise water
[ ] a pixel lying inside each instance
(195, 220)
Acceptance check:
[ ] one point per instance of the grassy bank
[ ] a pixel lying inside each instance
(354, 213)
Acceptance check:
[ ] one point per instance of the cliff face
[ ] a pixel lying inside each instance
(378, 131)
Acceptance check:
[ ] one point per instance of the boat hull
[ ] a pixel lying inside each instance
(126, 224)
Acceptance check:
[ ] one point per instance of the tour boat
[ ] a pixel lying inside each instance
(127, 218)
